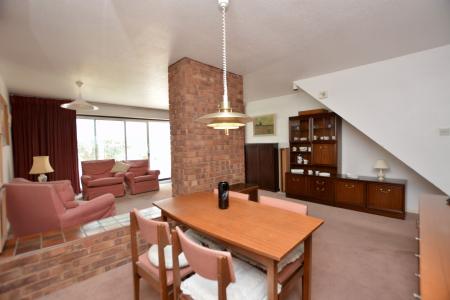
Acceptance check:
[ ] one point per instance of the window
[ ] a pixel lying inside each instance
(86, 139)
(137, 143)
(125, 139)
(110, 139)
(159, 138)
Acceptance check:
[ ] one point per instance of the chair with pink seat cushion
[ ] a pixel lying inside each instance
(235, 278)
(139, 178)
(153, 233)
(97, 179)
(293, 262)
(34, 207)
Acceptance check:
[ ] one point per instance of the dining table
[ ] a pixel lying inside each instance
(263, 233)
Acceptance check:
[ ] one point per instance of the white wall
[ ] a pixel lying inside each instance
(284, 107)
(123, 111)
(399, 103)
(6, 150)
(358, 151)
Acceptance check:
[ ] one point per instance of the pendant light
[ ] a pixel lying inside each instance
(79, 103)
(225, 119)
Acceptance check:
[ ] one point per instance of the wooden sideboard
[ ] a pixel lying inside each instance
(366, 194)
(434, 247)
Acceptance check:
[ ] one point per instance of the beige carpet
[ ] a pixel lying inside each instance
(128, 202)
(355, 256)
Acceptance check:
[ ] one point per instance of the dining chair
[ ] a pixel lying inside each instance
(146, 265)
(236, 195)
(290, 267)
(210, 266)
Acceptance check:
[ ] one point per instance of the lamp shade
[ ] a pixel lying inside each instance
(41, 165)
(380, 164)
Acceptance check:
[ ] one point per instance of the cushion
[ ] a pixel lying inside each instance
(64, 191)
(292, 256)
(70, 204)
(201, 240)
(120, 167)
(154, 259)
(145, 178)
(105, 181)
(251, 284)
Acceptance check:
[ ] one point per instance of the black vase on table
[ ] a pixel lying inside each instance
(223, 189)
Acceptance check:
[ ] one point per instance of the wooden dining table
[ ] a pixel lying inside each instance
(263, 233)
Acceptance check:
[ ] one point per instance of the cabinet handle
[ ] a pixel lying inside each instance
(417, 296)
(386, 191)
(320, 182)
(417, 255)
(349, 186)
(417, 238)
(320, 189)
(417, 275)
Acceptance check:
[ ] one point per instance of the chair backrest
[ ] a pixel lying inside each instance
(98, 168)
(33, 207)
(233, 194)
(138, 167)
(284, 204)
(149, 229)
(204, 261)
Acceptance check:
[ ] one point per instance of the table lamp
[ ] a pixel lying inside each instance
(381, 165)
(41, 165)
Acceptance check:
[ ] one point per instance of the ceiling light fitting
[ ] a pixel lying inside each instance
(79, 103)
(225, 119)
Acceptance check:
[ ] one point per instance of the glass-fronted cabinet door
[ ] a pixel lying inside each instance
(324, 127)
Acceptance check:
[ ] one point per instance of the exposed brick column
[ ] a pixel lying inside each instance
(201, 156)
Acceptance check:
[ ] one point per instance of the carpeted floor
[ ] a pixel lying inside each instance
(356, 256)
(128, 202)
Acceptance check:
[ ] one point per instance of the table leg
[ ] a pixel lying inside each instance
(163, 216)
(306, 289)
(272, 280)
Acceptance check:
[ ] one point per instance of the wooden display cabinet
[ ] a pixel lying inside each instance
(315, 138)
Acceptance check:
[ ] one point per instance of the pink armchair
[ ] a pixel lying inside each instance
(38, 207)
(97, 179)
(139, 178)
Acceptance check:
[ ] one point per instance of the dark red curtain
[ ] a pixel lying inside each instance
(42, 127)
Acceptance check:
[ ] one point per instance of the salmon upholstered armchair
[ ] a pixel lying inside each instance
(139, 178)
(97, 179)
(34, 207)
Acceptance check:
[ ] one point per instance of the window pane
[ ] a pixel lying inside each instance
(85, 139)
(110, 139)
(137, 147)
(159, 139)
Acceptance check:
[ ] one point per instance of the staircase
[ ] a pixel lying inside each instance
(403, 104)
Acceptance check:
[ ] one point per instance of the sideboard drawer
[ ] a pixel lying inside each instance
(387, 197)
(350, 193)
(322, 189)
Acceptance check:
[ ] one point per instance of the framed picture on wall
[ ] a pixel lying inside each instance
(264, 125)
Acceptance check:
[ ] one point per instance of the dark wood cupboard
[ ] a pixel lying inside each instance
(261, 166)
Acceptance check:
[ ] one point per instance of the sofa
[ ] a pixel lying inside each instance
(139, 178)
(34, 207)
(97, 179)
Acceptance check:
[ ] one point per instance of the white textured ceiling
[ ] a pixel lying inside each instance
(121, 49)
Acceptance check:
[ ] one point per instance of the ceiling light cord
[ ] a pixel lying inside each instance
(224, 60)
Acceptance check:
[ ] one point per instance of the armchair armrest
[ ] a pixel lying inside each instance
(87, 211)
(85, 179)
(119, 174)
(153, 172)
(129, 176)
